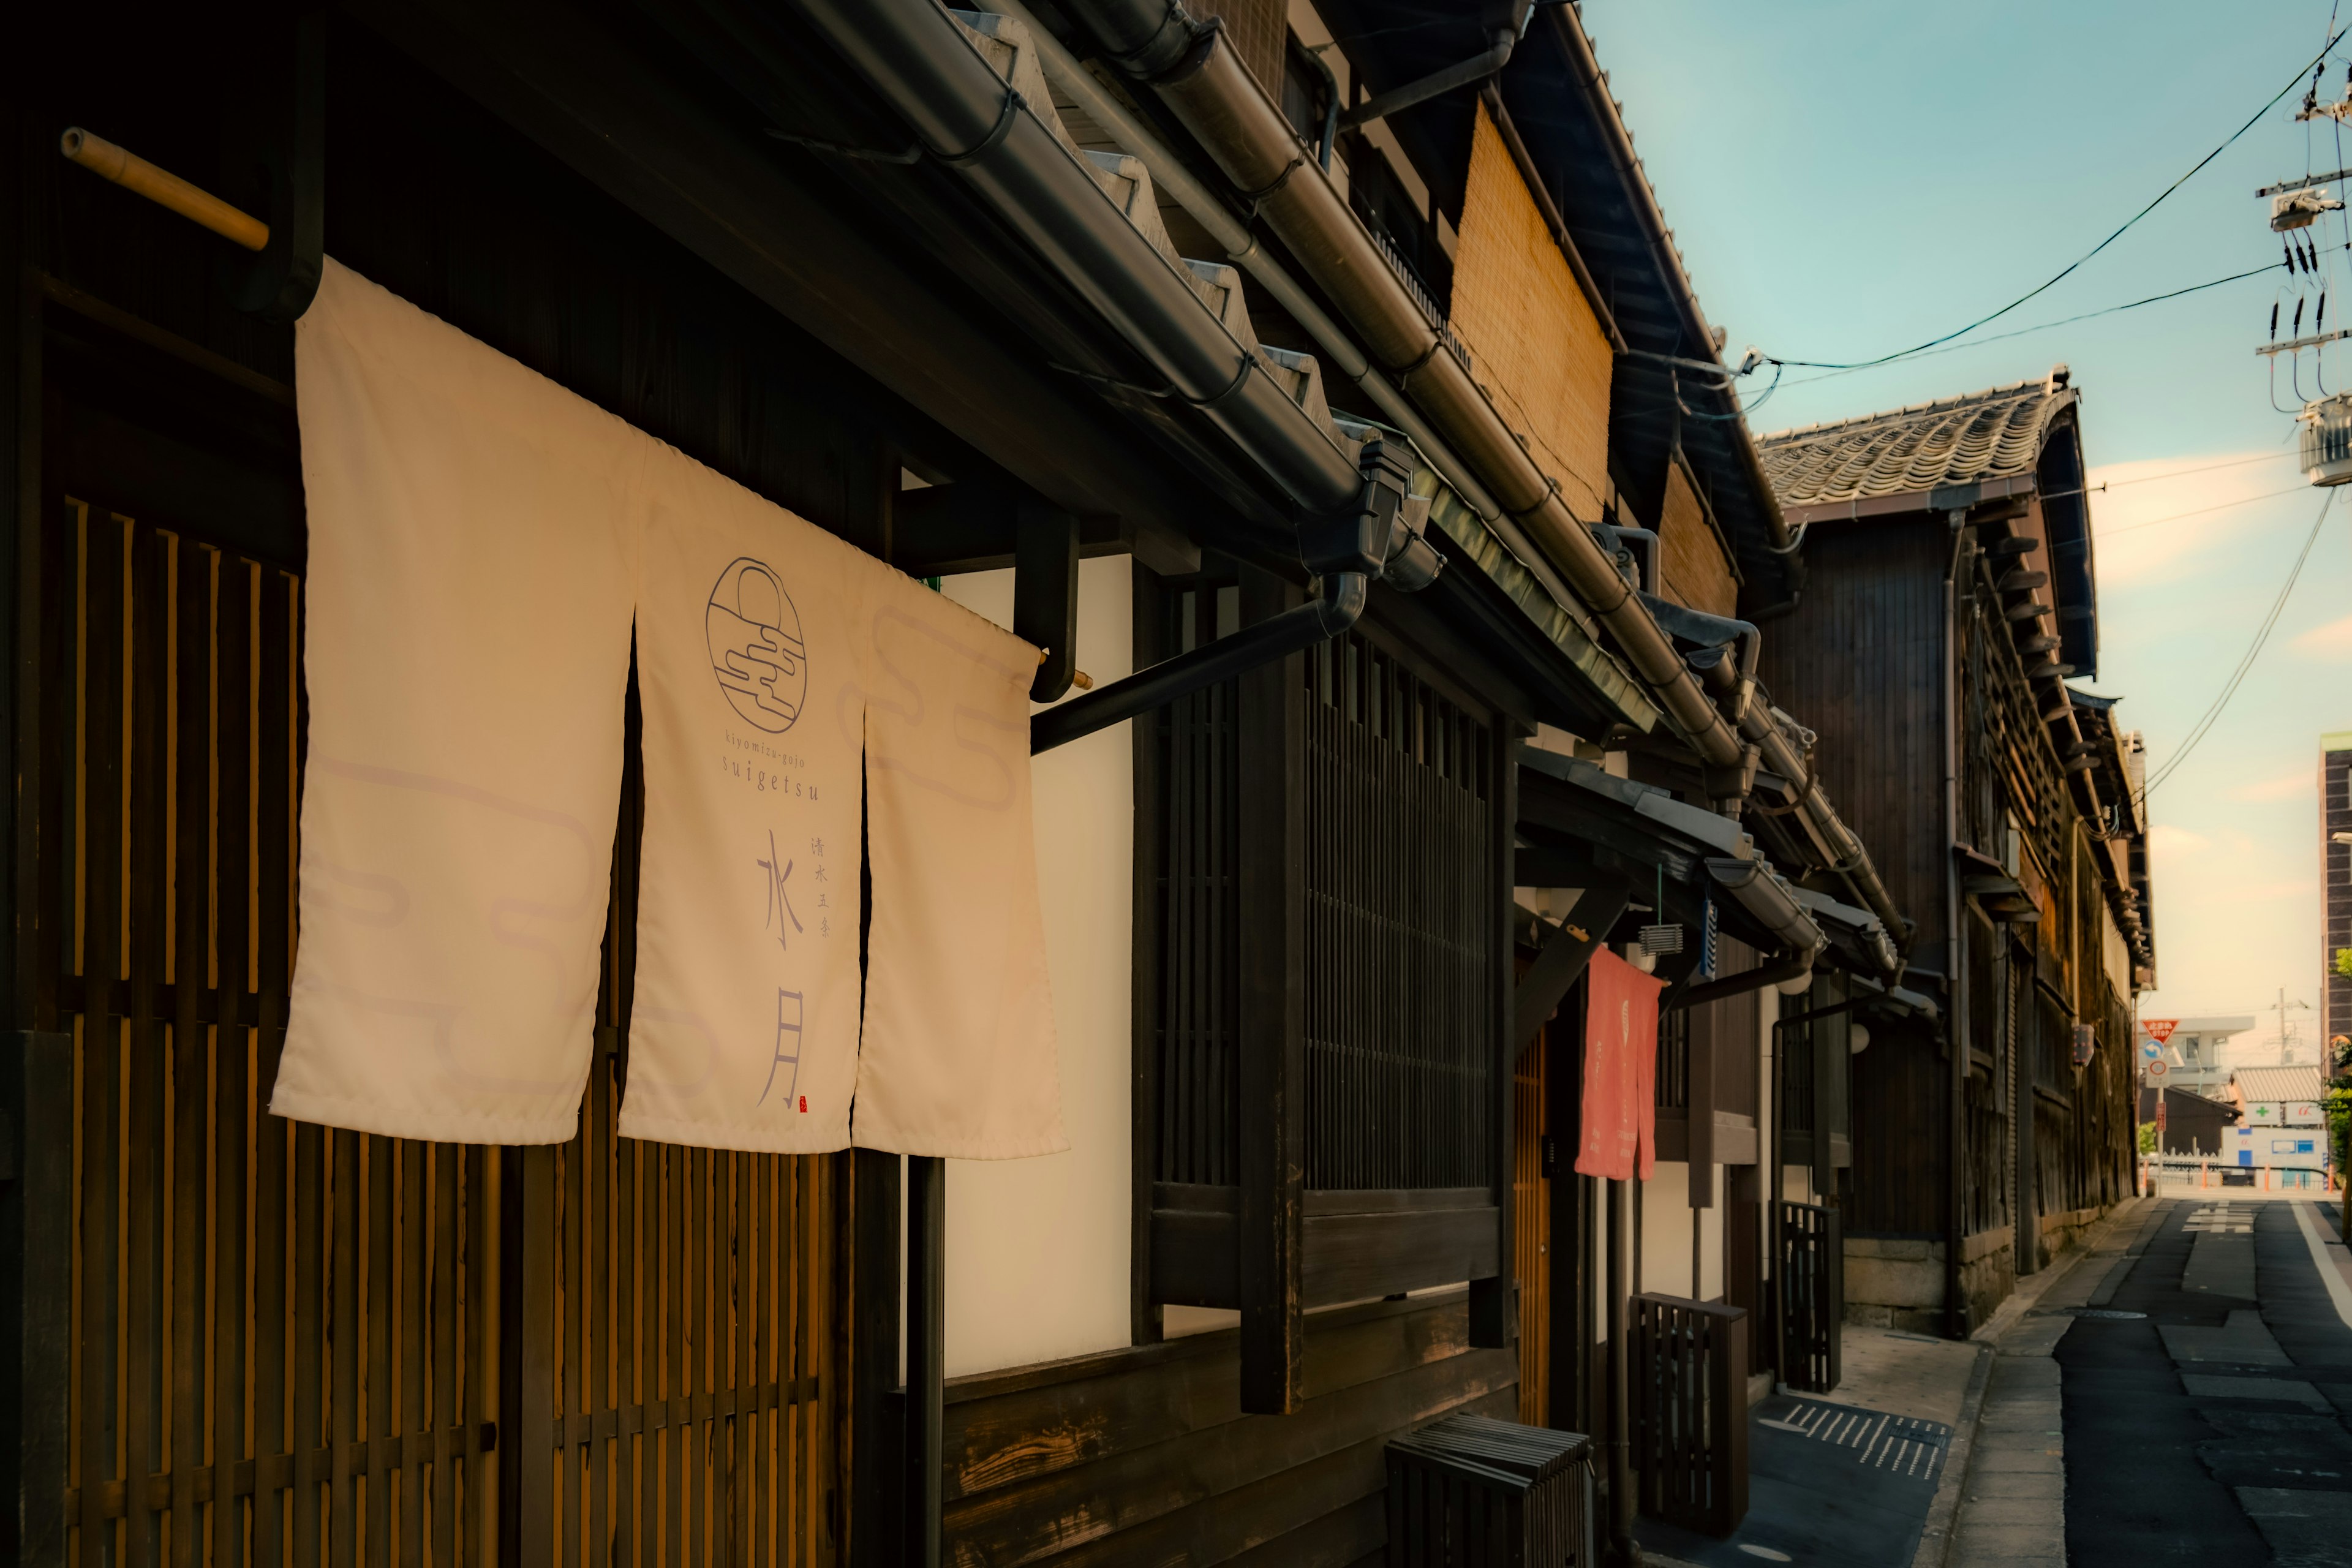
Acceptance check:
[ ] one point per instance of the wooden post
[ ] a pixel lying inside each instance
(927, 1257)
(1698, 1123)
(1494, 1303)
(526, 1356)
(36, 1316)
(1828, 1037)
(877, 1538)
(1045, 593)
(1149, 738)
(1271, 827)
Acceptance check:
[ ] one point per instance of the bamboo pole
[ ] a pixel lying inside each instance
(165, 189)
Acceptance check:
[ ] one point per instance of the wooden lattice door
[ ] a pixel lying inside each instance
(277, 1342)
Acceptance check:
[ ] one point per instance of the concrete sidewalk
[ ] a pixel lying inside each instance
(2005, 1495)
(2002, 1499)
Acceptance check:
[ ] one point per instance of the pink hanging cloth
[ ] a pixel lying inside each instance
(1621, 1070)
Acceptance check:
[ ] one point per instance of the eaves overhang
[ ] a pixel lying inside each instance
(1578, 150)
(1942, 498)
(1702, 857)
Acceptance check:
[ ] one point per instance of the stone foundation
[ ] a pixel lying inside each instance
(1897, 1282)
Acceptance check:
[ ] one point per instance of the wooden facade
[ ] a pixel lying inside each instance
(1909, 674)
(233, 1339)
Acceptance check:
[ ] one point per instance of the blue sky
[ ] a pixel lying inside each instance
(1846, 179)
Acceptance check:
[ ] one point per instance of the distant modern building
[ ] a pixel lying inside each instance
(2198, 1057)
(2281, 1122)
(2336, 891)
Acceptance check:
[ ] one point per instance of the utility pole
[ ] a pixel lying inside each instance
(2286, 1026)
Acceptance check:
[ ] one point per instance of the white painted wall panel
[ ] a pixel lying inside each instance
(1039, 1249)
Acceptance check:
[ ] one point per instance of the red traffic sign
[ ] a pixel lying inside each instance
(2156, 1070)
(2160, 1029)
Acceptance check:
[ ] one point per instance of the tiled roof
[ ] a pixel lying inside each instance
(2278, 1083)
(1992, 434)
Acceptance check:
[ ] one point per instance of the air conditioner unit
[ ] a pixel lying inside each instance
(1469, 1490)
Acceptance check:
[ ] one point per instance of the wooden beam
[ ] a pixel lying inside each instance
(1046, 593)
(1565, 957)
(1272, 830)
(598, 102)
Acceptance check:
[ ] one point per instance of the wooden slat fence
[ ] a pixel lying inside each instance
(1812, 1290)
(1689, 1378)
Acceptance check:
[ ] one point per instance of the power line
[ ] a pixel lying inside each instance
(2023, 331)
(2184, 473)
(2199, 511)
(2204, 724)
(2320, 58)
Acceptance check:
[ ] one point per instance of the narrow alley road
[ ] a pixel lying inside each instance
(2207, 1392)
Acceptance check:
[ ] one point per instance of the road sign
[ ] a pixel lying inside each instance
(2156, 1070)
(2150, 1049)
(2160, 1029)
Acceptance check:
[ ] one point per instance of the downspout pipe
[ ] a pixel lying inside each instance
(968, 118)
(1212, 94)
(1956, 986)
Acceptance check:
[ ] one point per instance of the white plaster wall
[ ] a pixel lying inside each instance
(1667, 1223)
(1039, 1249)
(1666, 1230)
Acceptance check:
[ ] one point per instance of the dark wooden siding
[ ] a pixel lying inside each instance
(1143, 1455)
(1860, 663)
(440, 201)
(1902, 1087)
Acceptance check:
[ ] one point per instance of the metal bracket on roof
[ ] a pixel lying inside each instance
(1478, 67)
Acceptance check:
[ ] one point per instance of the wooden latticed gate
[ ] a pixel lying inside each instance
(250, 1339)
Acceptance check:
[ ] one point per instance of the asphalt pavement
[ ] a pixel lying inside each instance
(2205, 1400)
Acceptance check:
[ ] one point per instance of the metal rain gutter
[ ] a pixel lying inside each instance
(1763, 894)
(1169, 173)
(972, 119)
(1226, 109)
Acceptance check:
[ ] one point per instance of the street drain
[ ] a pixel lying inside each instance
(2116, 1312)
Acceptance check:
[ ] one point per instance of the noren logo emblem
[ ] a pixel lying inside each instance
(756, 650)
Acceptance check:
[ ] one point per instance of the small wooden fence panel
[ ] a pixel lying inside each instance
(1690, 1411)
(1811, 1287)
(280, 1343)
